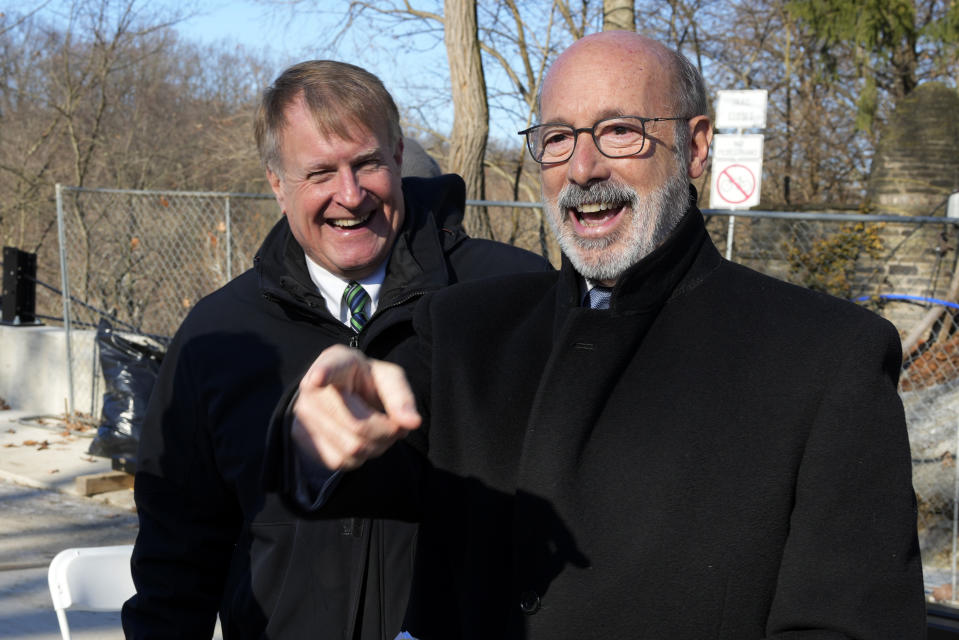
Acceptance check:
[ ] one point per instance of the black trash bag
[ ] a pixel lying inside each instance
(130, 365)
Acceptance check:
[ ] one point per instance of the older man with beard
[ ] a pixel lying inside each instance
(652, 443)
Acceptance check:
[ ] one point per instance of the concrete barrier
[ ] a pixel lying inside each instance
(33, 369)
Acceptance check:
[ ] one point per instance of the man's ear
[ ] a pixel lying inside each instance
(701, 134)
(276, 184)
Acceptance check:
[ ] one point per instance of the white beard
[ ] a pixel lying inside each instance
(651, 219)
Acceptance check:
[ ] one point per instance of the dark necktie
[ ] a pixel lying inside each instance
(598, 297)
(358, 300)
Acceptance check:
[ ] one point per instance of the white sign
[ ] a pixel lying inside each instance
(737, 171)
(741, 109)
(952, 206)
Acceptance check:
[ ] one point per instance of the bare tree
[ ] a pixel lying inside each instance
(109, 97)
(468, 86)
(578, 21)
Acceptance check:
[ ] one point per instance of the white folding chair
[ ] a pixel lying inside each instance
(90, 579)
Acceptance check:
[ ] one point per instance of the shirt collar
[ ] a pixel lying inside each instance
(585, 286)
(331, 287)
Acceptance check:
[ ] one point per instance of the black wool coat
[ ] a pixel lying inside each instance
(211, 540)
(718, 455)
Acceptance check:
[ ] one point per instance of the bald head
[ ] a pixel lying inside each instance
(672, 83)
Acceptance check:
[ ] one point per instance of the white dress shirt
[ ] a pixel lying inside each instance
(331, 287)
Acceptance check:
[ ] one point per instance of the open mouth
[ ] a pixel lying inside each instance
(351, 223)
(596, 214)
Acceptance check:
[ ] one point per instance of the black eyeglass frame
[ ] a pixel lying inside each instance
(592, 133)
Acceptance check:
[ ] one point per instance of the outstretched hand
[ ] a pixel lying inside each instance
(351, 408)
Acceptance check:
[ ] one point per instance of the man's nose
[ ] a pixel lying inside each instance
(349, 193)
(587, 164)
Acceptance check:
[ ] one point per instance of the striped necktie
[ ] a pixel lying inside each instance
(598, 297)
(358, 300)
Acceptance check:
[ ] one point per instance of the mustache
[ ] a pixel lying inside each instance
(574, 196)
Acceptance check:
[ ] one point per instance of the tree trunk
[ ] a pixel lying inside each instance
(905, 62)
(618, 14)
(470, 110)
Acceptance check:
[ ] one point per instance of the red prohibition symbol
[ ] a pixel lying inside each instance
(736, 183)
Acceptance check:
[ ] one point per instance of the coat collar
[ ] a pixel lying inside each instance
(431, 227)
(675, 266)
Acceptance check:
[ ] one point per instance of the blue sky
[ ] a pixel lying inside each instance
(289, 36)
(258, 25)
(417, 76)
(254, 24)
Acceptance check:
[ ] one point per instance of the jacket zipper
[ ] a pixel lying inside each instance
(396, 303)
(355, 338)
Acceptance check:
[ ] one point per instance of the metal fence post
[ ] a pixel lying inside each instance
(65, 287)
(229, 243)
(730, 234)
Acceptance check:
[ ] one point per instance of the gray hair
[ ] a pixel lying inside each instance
(691, 99)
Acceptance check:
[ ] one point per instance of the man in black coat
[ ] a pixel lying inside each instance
(211, 540)
(652, 443)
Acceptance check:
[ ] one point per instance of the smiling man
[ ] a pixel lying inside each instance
(340, 190)
(356, 248)
(652, 443)
(608, 215)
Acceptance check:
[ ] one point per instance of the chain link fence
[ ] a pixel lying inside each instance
(143, 258)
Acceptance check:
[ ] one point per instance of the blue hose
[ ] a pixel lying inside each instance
(897, 296)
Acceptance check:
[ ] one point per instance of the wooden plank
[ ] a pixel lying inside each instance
(102, 482)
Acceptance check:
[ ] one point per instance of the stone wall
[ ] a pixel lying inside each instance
(915, 260)
(915, 169)
(921, 263)
(916, 165)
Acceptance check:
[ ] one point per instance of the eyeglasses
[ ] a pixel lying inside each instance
(614, 137)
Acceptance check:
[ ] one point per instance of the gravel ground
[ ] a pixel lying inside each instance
(35, 525)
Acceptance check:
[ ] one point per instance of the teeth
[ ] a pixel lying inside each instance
(595, 207)
(346, 223)
(586, 222)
